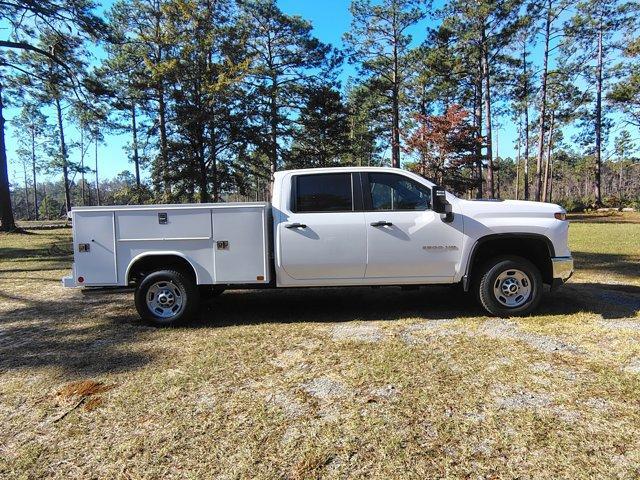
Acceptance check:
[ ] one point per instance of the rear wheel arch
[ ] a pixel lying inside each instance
(536, 248)
(146, 263)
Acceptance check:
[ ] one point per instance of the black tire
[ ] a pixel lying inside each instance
(178, 286)
(499, 274)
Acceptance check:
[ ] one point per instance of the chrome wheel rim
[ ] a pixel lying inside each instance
(165, 299)
(512, 288)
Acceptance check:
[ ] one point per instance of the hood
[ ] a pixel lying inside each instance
(508, 208)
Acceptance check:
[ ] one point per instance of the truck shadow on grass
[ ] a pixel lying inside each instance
(365, 304)
(96, 334)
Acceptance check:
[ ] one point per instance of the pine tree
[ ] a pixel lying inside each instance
(285, 60)
(49, 83)
(379, 43)
(367, 129)
(148, 37)
(594, 43)
(625, 94)
(31, 131)
(122, 81)
(206, 95)
(483, 31)
(321, 138)
(26, 22)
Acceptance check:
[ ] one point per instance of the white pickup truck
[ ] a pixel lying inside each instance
(337, 227)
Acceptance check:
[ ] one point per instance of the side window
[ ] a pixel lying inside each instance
(395, 192)
(329, 192)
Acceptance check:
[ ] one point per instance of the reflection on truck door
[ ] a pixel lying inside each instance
(405, 238)
(323, 236)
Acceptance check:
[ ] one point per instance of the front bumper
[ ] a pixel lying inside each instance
(562, 269)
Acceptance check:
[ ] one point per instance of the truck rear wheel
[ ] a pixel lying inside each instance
(166, 297)
(509, 286)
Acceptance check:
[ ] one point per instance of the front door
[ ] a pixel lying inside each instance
(405, 238)
(323, 237)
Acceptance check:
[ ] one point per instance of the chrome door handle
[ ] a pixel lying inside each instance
(295, 225)
(381, 223)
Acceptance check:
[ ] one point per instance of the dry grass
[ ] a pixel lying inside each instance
(83, 388)
(327, 383)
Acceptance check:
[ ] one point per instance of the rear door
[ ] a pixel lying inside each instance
(323, 234)
(405, 238)
(94, 247)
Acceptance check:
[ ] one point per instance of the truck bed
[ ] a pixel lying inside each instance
(223, 242)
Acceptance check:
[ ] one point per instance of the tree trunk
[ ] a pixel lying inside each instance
(82, 190)
(620, 191)
(526, 124)
(395, 106)
(164, 154)
(543, 103)
(7, 222)
(33, 172)
(598, 152)
(202, 180)
(518, 158)
(545, 185)
(477, 120)
(551, 178)
(63, 153)
(487, 113)
(214, 160)
(273, 154)
(26, 190)
(97, 182)
(395, 135)
(134, 133)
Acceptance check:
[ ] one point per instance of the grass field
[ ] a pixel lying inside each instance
(327, 383)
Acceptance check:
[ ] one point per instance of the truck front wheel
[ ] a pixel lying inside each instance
(509, 286)
(166, 297)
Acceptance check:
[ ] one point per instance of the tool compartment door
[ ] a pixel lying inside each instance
(94, 247)
(240, 245)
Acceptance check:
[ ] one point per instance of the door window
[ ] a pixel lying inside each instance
(396, 192)
(329, 192)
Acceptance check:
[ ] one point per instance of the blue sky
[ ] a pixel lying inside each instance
(330, 19)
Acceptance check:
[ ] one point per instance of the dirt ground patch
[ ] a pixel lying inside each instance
(358, 333)
(504, 330)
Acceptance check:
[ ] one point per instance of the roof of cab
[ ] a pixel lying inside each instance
(340, 169)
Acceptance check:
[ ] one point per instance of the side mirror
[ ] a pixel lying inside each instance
(439, 203)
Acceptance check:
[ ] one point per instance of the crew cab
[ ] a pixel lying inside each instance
(327, 227)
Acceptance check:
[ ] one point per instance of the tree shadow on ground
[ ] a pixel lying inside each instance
(56, 333)
(619, 264)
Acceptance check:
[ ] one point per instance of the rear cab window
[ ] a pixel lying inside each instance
(322, 192)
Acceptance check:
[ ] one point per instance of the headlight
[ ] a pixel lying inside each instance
(560, 216)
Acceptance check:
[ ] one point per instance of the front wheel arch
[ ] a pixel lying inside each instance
(536, 248)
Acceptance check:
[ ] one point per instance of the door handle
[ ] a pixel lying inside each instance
(381, 223)
(295, 225)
